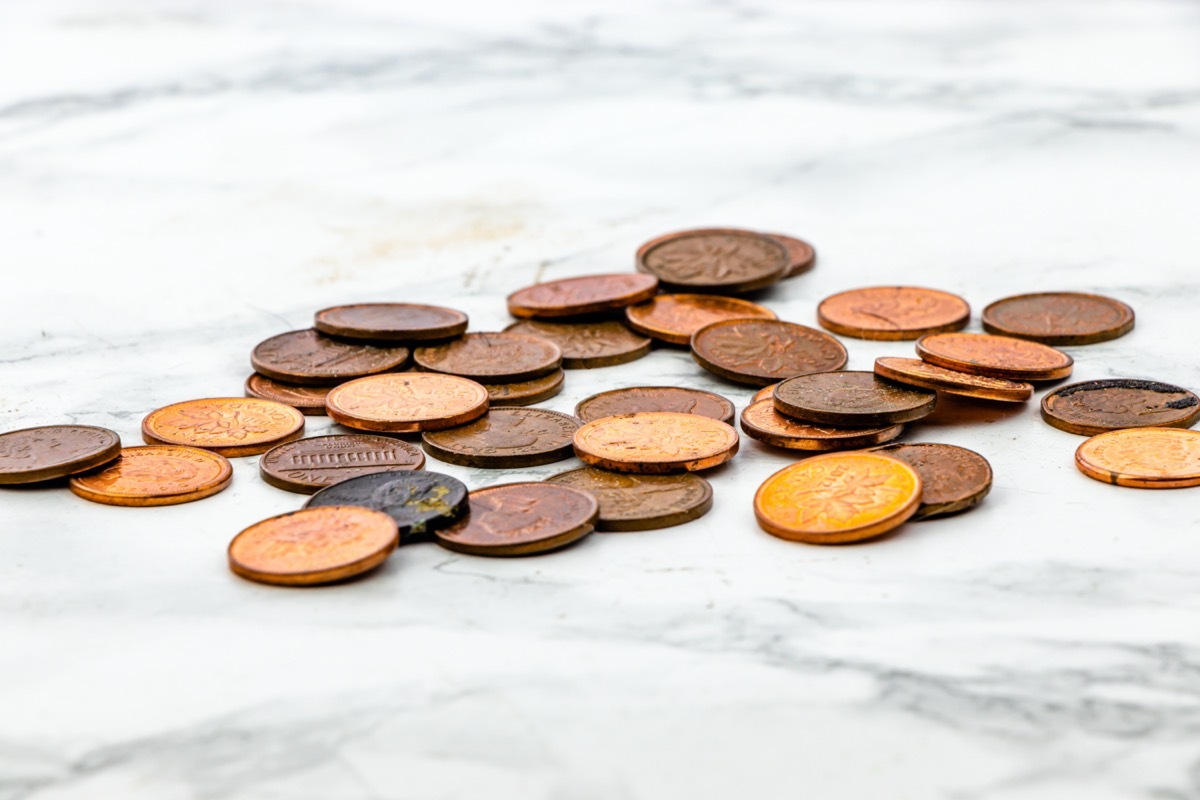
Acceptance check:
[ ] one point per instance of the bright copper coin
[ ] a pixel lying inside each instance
(413, 401)
(915, 372)
(31, 455)
(641, 502)
(493, 357)
(525, 393)
(312, 358)
(995, 356)
(158, 475)
(674, 318)
(638, 399)
(521, 519)
(762, 351)
(1059, 318)
(1144, 458)
(1094, 407)
(589, 294)
(893, 312)
(761, 421)
(852, 399)
(391, 322)
(308, 465)
(656, 442)
(231, 426)
(720, 260)
(765, 393)
(584, 345)
(953, 479)
(801, 255)
(308, 400)
(506, 438)
(314, 546)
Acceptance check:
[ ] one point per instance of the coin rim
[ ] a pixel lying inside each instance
(754, 380)
(280, 482)
(309, 379)
(229, 451)
(713, 288)
(796, 268)
(507, 461)
(1066, 425)
(537, 547)
(447, 331)
(1021, 392)
(1103, 475)
(1129, 320)
(850, 419)
(348, 420)
(865, 437)
(63, 469)
(890, 335)
(728, 419)
(594, 307)
(1008, 373)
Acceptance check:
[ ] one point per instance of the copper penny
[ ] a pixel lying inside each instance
(641, 502)
(524, 393)
(995, 356)
(589, 294)
(418, 501)
(915, 372)
(761, 421)
(31, 455)
(1060, 318)
(308, 400)
(521, 519)
(158, 475)
(588, 344)
(506, 438)
(231, 426)
(1094, 407)
(656, 442)
(1144, 458)
(307, 465)
(673, 318)
(313, 546)
(852, 399)
(493, 357)
(655, 398)
(765, 393)
(414, 401)
(312, 358)
(893, 312)
(714, 260)
(953, 479)
(801, 255)
(391, 322)
(762, 351)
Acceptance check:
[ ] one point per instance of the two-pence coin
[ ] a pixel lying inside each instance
(506, 438)
(673, 318)
(602, 343)
(525, 393)
(719, 260)
(158, 475)
(308, 400)
(503, 357)
(1059, 318)
(31, 455)
(915, 372)
(761, 421)
(893, 312)
(953, 479)
(307, 465)
(231, 426)
(522, 519)
(310, 357)
(638, 399)
(391, 322)
(1094, 407)
(1144, 458)
(413, 401)
(801, 254)
(656, 442)
(590, 294)
(420, 502)
(995, 356)
(762, 351)
(641, 502)
(852, 399)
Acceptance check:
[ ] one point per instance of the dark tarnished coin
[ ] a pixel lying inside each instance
(655, 398)
(159, 475)
(312, 358)
(1094, 407)
(953, 479)
(307, 465)
(54, 451)
(1143, 458)
(995, 356)
(801, 255)
(763, 351)
(391, 322)
(522, 519)
(673, 318)
(493, 357)
(590, 294)
(525, 393)
(420, 502)
(414, 401)
(506, 438)
(231, 426)
(761, 421)
(721, 260)
(852, 399)
(308, 400)
(1059, 318)
(656, 442)
(915, 372)
(588, 344)
(893, 312)
(640, 502)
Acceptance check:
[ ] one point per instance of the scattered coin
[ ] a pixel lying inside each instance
(312, 358)
(893, 312)
(721, 260)
(231, 426)
(1060, 318)
(521, 519)
(641, 502)
(506, 438)
(391, 322)
(308, 400)
(656, 442)
(1144, 458)
(31, 455)
(801, 255)
(158, 475)
(765, 393)
(493, 357)
(590, 294)
(655, 398)
(413, 401)
(419, 502)
(953, 479)
(852, 399)
(673, 318)
(761, 421)
(995, 356)
(307, 465)
(584, 345)
(763, 351)
(1094, 407)
(525, 393)
(915, 372)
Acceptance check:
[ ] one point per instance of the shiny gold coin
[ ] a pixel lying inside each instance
(155, 476)
(413, 401)
(761, 421)
(915, 372)
(231, 426)
(995, 356)
(893, 312)
(1144, 458)
(674, 318)
(656, 442)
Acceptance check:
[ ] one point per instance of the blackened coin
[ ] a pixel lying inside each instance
(420, 502)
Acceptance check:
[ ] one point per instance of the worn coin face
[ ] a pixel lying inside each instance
(995, 356)
(312, 358)
(915, 372)
(159, 475)
(953, 479)
(590, 294)
(522, 519)
(852, 399)
(231, 426)
(308, 400)
(638, 399)
(588, 344)
(391, 322)
(761, 421)
(54, 451)
(313, 546)
(656, 442)
(1094, 407)
(721, 260)
(307, 465)
(1060, 318)
(641, 502)
(801, 255)
(506, 438)
(762, 351)
(524, 393)
(503, 357)
(420, 502)
(1145, 458)
(413, 401)
(838, 497)
(893, 312)
(674, 318)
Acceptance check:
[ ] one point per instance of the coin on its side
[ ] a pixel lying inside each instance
(584, 345)
(502, 357)
(506, 438)
(1144, 458)
(801, 255)
(761, 421)
(391, 322)
(637, 399)
(720, 260)
(656, 442)
(308, 400)
(762, 351)
(231, 426)
(953, 479)
(307, 465)
(589, 294)
(673, 318)
(1059, 318)
(521, 519)
(641, 502)
(915, 372)
(893, 312)
(995, 356)
(1093, 407)
(852, 399)
(157, 475)
(525, 393)
(419, 502)
(413, 401)
(31, 455)
(310, 357)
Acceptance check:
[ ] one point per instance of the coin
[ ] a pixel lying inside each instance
(1061, 318)
(312, 358)
(493, 357)
(391, 322)
(524, 393)
(801, 255)
(313, 546)
(640, 502)
(714, 260)
(953, 479)
(655, 442)
(1094, 407)
(308, 400)
(1145, 458)
(521, 519)
(30, 455)
(674, 318)
(765, 393)
(763, 351)
(159, 475)
(655, 398)
(419, 502)
(893, 312)
(506, 438)
(995, 356)
(231, 426)
(414, 401)
(761, 421)
(588, 344)
(838, 497)
(307, 465)
(590, 294)
(852, 399)
(915, 372)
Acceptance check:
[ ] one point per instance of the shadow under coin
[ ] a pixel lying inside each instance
(954, 411)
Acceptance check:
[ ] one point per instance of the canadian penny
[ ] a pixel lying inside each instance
(915, 372)
(524, 393)
(656, 442)
(31, 455)
(893, 312)
(762, 351)
(506, 438)
(953, 479)
(308, 400)
(391, 322)
(1059, 318)
(419, 502)
(413, 401)
(1145, 458)
(588, 344)
(521, 519)
(995, 356)
(801, 255)
(312, 358)
(1094, 407)
(761, 421)
(673, 318)
(852, 399)
(589, 294)
(307, 465)
(231, 426)
(158, 475)
(641, 502)
(716, 260)
(638, 399)
(503, 357)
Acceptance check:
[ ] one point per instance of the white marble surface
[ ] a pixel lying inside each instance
(179, 180)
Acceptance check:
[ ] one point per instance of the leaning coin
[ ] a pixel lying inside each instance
(640, 502)
(391, 322)
(308, 400)
(493, 357)
(585, 345)
(637, 399)
(158, 475)
(1094, 407)
(915, 372)
(852, 399)
(589, 294)
(1144, 458)
(307, 465)
(413, 401)
(31, 455)
(995, 356)
(893, 312)
(231, 426)
(761, 421)
(521, 519)
(419, 501)
(801, 255)
(656, 442)
(525, 393)
(506, 438)
(1060, 318)
(673, 318)
(953, 479)
(721, 260)
(763, 351)
(311, 357)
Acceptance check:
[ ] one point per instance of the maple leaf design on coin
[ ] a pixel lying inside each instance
(844, 498)
(215, 424)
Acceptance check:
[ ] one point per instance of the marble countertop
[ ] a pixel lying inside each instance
(184, 179)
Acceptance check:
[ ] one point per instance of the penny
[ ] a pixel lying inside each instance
(893, 312)
(414, 401)
(714, 260)
(1060, 318)
(419, 502)
(158, 475)
(1145, 458)
(995, 356)
(524, 393)
(640, 502)
(231, 426)
(761, 351)
(312, 358)
(953, 479)
(915, 372)
(308, 400)
(655, 398)
(674, 318)
(801, 255)
(765, 393)
(31, 455)
(761, 421)
(655, 442)
(391, 322)
(588, 344)
(522, 519)
(838, 497)
(1094, 407)
(506, 438)
(590, 294)
(313, 546)
(852, 399)
(307, 465)
(493, 357)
